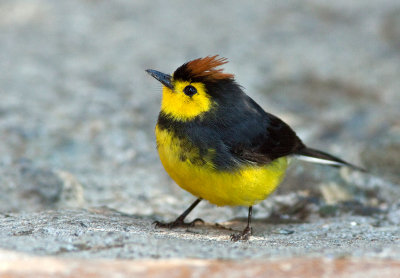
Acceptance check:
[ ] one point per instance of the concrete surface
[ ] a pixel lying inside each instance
(79, 173)
(102, 233)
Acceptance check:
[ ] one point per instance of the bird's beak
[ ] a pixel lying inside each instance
(165, 79)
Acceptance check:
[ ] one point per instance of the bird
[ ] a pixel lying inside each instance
(218, 144)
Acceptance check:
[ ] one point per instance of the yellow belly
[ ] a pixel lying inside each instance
(243, 187)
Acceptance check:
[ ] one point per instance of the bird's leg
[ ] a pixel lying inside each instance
(179, 222)
(245, 235)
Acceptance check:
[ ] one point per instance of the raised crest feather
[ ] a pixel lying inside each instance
(203, 69)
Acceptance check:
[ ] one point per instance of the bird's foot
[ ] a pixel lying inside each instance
(177, 223)
(245, 235)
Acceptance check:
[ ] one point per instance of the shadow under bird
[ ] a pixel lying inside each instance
(219, 144)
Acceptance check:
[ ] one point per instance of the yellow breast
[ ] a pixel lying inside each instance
(245, 186)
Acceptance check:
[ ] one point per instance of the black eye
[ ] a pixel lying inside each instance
(190, 90)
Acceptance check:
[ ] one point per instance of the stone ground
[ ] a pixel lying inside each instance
(80, 180)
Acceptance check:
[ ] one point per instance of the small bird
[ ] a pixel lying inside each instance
(218, 144)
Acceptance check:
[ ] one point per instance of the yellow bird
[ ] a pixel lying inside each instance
(218, 144)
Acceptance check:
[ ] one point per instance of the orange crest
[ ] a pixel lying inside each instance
(203, 69)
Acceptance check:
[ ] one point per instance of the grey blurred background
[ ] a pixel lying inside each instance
(77, 110)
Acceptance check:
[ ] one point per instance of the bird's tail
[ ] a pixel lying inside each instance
(316, 156)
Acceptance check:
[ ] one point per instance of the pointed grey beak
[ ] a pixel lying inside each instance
(165, 79)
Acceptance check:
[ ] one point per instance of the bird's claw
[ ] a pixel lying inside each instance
(244, 236)
(177, 223)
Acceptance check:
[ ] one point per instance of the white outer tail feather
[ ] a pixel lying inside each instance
(319, 160)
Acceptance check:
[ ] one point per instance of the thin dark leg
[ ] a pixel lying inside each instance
(245, 235)
(179, 222)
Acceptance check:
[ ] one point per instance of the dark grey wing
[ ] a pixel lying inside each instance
(260, 137)
(271, 140)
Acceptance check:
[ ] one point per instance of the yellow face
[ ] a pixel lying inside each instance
(181, 106)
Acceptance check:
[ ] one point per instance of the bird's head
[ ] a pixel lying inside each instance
(194, 88)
